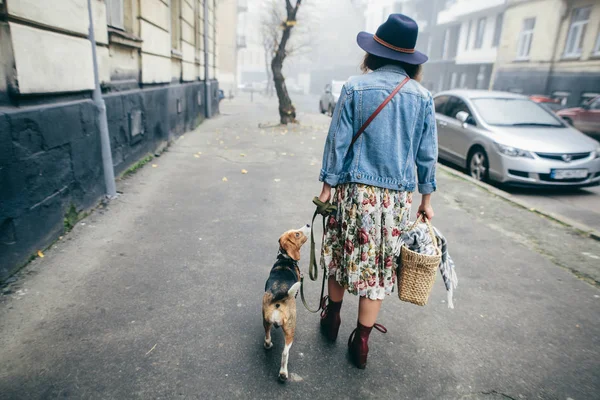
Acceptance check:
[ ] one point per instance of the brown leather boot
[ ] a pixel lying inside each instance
(358, 343)
(330, 318)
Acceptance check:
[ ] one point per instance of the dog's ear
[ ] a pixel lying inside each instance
(294, 289)
(290, 246)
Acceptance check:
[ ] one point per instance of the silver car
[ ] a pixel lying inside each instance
(330, 96)
(506, 137)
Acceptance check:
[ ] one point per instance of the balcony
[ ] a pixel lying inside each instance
(241, 42)
(242, 6)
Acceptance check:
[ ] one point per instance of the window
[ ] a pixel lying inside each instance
(525, 39)
(114, 14)
(463, 80)
(597, 46)
(456, 105)
(480, 32)
(439, 104)
(515, 112)
(468, 35)
(579, 21)
(453, 80)
(498, 30)
(446, 44)
(586, 97)
(595, 105)
(563, 97)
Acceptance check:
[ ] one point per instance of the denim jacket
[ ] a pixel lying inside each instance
(401, 137)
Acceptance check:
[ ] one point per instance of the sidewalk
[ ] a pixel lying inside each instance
(158, 295)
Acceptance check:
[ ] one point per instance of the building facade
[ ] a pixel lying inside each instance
(464, 44)
(551, 47)
(158, 65)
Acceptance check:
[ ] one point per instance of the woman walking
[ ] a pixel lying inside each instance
(373, 172)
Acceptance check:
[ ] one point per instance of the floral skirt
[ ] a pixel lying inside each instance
(359, 240)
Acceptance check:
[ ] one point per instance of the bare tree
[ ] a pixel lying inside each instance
(287, 111)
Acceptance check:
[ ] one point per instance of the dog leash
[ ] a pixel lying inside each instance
(325, 210)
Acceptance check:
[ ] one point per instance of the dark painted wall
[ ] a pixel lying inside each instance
(50, 157)
(545, 82)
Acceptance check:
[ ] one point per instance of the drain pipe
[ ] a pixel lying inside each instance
(207, 83)
(109, 173)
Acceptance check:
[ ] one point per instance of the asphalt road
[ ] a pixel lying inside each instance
(158, 295)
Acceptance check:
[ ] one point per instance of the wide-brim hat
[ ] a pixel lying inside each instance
(395, 39)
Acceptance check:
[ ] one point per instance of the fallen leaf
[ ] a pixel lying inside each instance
(277, 179)
(199, 152)
(242, 155)
(154, 165)
(224, 179)
(237, 137)
(291, 154)
(314, 138)
(244, 171)
(196, 155)
(221, 142)
(40, 254)
(312, 163)
(284, 154)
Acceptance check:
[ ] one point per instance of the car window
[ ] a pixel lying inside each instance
(515, 112)
(456, 105)
(440, 104)
(595, 104)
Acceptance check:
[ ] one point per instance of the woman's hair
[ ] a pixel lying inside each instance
(372, 62)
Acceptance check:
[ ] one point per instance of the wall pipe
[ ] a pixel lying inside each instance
(107, 163)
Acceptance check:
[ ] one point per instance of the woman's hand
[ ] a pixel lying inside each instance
(427, 210)
(325, 195)
(425, 207)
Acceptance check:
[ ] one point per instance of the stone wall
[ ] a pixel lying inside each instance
(50, 157)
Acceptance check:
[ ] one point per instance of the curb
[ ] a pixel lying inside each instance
(582, 229)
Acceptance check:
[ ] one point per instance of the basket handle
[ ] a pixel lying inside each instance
(423, 218)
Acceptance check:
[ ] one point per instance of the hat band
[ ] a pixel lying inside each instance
(389, 46)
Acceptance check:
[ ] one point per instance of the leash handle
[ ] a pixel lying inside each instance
(325, 210)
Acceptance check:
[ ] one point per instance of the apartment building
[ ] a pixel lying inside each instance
(464, 44)
(157, 65)
(551, 47)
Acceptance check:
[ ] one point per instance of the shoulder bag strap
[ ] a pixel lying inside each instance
(381, 107)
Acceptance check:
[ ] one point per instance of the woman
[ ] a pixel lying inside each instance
(374, 177)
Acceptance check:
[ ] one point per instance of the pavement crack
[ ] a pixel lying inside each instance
(496, 393)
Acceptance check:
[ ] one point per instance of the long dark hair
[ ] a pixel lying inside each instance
(372, 62)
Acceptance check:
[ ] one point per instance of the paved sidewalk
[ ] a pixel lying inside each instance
(158, 295)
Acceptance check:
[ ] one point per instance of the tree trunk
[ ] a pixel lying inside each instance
(287, 112)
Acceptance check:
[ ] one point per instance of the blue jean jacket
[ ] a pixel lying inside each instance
(401, 137)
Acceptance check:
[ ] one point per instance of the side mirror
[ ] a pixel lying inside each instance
(463, 117)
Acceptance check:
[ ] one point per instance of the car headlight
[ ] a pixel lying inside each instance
(513, 151)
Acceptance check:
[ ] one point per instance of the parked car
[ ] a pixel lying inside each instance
(330, 96)
(553, 104)
(508, 138)
(585, 118)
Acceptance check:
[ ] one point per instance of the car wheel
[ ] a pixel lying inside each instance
(321, 108)
(478, 165)
(330, 110)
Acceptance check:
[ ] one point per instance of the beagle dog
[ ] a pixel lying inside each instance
(279, 300)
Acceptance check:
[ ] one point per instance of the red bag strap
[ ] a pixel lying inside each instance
(381, 107)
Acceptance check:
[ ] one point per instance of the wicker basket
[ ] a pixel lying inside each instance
(416, 272)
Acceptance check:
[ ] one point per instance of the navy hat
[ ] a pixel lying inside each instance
(395, 40)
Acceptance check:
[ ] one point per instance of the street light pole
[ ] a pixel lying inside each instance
(109, 173)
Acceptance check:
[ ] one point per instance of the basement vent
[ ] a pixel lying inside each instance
(199, 98)
(136, 127)
(179, 109)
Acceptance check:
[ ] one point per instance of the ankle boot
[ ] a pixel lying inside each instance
(358, 343)
(330, 318)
